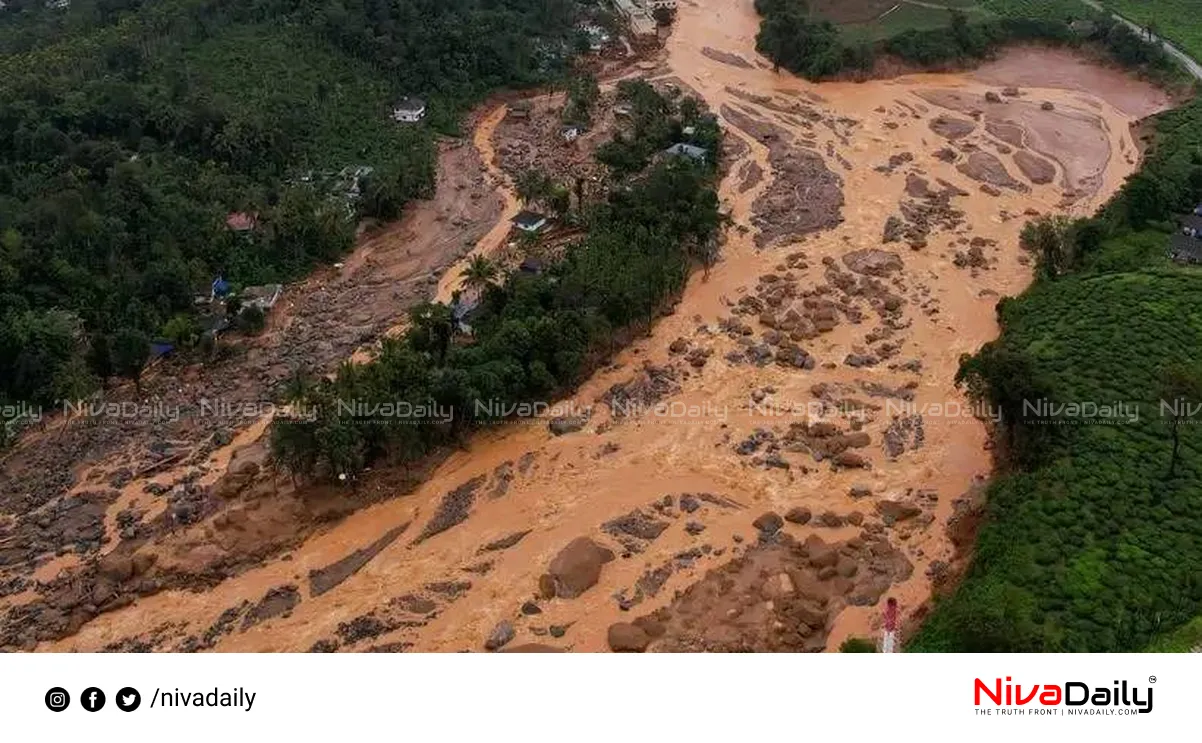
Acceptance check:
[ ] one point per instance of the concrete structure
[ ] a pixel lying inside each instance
(409, 110)
(264, 297)
(637, 17)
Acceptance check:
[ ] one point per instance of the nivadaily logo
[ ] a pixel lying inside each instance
(1070, 697)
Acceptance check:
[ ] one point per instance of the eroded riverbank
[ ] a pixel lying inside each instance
(810, 372)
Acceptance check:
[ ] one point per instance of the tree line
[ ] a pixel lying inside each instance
(816, 48)
(533, 336)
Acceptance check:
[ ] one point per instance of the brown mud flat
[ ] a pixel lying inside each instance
(984, 167)
(797, 378)
(1076, 139)
(1036, 169)
(1044, 67)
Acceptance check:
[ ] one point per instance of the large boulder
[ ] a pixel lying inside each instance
(892, 511)
(117, 568)
(768, 523)
(576, 568)
(873, 262)
(627, 638)
(566, 424)
(501, 635)
(798, 515)
(850, 460)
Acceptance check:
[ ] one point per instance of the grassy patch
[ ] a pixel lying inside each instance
(1177, 20)
(1052, 10)
(1185, 639)
(876, 20)
(910, 17)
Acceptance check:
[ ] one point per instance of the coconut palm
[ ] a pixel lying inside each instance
(479, 273)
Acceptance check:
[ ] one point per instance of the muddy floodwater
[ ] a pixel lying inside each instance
(810, 374)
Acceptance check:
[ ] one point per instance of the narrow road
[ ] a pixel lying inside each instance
(1190, 63)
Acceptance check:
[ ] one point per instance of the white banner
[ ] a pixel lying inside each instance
(545, 697)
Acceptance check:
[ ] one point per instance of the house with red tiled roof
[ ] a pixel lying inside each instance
(241, 221)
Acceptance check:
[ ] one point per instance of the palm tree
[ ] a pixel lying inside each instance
(479, 273)
(532, 186)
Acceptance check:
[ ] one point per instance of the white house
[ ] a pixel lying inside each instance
(659, 4)
(530, 222)
(409, 110)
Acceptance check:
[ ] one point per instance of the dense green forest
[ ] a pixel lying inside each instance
(532, 337)
(130, 130)
(816, 48)
(1093, 535)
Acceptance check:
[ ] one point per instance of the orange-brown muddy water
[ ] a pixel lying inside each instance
(560, 488)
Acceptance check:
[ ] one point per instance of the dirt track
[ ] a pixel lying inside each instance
(802, 378)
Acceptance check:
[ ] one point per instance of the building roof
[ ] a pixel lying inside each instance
(529, 220)
(688, 150)
(1187, 248)
(531, 265)
(160, 347)
(240, 221)
(410, 104)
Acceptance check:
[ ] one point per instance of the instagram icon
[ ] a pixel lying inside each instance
(57, 699)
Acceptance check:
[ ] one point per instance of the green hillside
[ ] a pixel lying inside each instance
(129, 130)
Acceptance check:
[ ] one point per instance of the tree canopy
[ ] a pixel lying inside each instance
(129, 131)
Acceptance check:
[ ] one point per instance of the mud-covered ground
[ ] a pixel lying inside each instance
(809, 455)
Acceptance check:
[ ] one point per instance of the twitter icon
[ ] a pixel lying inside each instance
(128, 699)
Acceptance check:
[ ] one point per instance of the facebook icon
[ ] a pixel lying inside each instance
(92, 699)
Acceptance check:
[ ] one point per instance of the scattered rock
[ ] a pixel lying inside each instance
(798, 515)
(501, 635)
(576, 568)
(768, 523)
(892, 511)
(566, 424)
(627, 638)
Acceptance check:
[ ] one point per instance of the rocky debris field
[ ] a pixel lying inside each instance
(804, 196)
(779, 596)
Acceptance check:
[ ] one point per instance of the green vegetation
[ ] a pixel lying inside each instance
(129, 131)
(857, 645)
(909, 18)
(1093, 533)
(801, 41)
(1185, 639)
(657, 122)
(1175, 20)
(533, 336)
